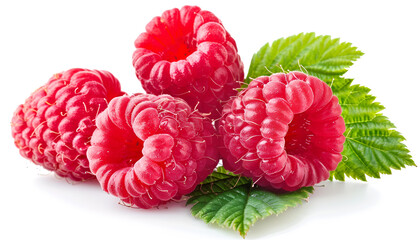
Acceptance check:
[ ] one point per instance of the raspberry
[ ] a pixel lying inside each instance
(188, 53)
(284, 131)
(54, 125)
(150, 149)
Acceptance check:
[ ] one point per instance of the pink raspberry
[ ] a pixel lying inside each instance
(188, 53)
(54, 126)
(284, 131)
(148, 150)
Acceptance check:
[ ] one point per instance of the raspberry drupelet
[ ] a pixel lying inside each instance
(284, 131)
(188, 53)
(54, 126)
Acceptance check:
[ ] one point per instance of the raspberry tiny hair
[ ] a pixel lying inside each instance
(54, 126)
(284, 131)
(188, 53)
(148, 150)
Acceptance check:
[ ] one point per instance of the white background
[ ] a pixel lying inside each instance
(40, 38)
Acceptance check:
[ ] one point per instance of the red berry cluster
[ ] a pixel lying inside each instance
(53, 128)
(188, 53)
(149, 149)
(284, 131)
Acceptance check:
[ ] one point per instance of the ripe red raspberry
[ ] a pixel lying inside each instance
(188, 53)
(150, 149)
(54, 125)
(284, 131)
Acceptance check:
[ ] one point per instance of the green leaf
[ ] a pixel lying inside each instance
(372, 146)
(321, 56)
(237, 204)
